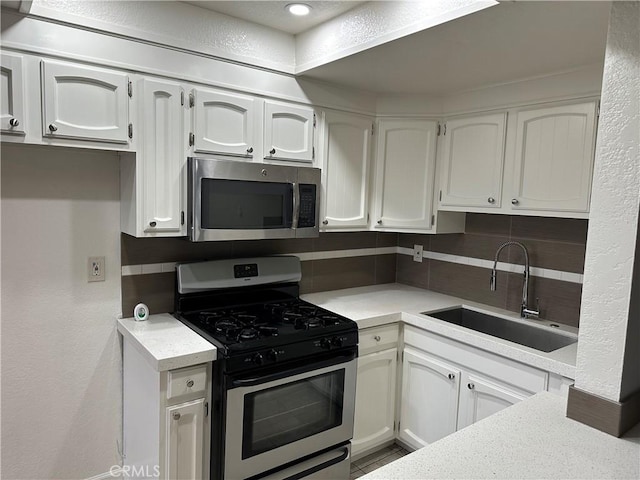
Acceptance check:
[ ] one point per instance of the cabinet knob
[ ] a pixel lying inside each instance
(250, 150)
(379, 222)
(451, 376)
(377, 338)
(176, 415)
(189, 383)
(470, 386)
(152, 224)
(491, 200)
(14, 122)
(325, 222)
(272, 151)
(53, 128)
(515, 201)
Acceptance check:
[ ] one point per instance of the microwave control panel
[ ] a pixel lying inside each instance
(307, 216)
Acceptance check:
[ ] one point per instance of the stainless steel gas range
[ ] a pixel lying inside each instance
(284, 384)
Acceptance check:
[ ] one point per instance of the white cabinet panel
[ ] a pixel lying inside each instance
(480, 398)
(375, 400)
(84, 103)
(223, 123)
(554, 158)
(162, 155)
(288, 132)
(429, 405)
(12, 106)
(472, 161)
(405, 167)
(346, 152)
(185, 440)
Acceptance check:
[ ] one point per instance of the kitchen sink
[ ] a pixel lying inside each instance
(511, 330)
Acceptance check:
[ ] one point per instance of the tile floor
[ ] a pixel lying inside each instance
(376, 460)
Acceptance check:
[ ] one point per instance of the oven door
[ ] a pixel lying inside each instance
(271, 422)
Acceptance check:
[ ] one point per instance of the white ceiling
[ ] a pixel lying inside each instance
(508, 42)
(273, 14)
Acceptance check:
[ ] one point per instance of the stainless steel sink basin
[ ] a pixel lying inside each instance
(513, 331)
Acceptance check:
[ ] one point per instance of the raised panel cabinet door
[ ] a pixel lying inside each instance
(224, 123)
(288, 132)
(429, 405)
(185, 440)
(84, 103)
(375, 400)
(11, 94)
(480, 398)
(162, 156)
(405, 167)
(554, 158)
(347, 143)
(472, 161)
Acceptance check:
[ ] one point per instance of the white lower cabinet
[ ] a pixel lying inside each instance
(429, 405)
(185, 439)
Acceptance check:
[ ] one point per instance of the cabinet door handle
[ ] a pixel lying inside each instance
(152, 224)
(14, 122)
(176, 415)
(379, 222)
(190, 383)
(470, 386)
(491, 200)
(272, 151)
(325, 222)
(451, 376)
(377, 338)
(250, 150)
(53, 128)
(515, 201)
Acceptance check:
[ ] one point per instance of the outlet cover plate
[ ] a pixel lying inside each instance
(95, 269)
(417, 253)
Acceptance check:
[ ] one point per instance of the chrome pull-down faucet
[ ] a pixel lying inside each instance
(525, 311)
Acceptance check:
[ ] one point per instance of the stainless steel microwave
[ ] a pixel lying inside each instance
(235, 200)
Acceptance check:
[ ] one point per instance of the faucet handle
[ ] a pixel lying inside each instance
(529, 313)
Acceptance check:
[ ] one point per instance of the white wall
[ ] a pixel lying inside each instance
(613, 220)
(61, 365)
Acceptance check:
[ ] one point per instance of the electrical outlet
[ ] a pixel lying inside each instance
(417, 253)
(95, 269)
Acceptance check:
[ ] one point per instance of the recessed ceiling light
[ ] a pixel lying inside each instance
(299, 9)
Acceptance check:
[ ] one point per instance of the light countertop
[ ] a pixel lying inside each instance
(531, 439)
(379, 304)
(166, 342)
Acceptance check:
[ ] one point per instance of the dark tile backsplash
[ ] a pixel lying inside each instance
(553, 243)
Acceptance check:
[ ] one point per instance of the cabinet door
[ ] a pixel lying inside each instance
(11, 94)
(84, 103)
(162, 156)
(223, 123)
(185, 440)
(472, 161)
(554, 158)
(405, 165)
(288, 132)
(375, 400)
(346, 170)
(480, 398)
(429, 405)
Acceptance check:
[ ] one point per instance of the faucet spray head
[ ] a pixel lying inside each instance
(492, 283)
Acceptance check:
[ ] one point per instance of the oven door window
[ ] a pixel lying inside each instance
(284, 414)
(244, 205)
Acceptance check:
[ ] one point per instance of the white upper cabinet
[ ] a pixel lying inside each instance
(472, 161)
(346, 155)
(12, 106)
(85, 103)
(162, 155)
(224, 123)
(288, 132)
(405, 168)
(554, 155)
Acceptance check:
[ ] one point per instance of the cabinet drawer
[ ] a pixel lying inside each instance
(375, 339)
(186, 381)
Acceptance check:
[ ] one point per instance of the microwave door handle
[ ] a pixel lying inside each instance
(296, 205)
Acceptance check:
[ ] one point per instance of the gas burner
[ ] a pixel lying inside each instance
(291, 317)
(268, 331)
(328, 319)
(227, 326)
(307, 323)
(245, 318)
(248, 334)
(208, 317)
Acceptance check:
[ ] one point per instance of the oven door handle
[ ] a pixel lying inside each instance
(308, 467)
(258, 380)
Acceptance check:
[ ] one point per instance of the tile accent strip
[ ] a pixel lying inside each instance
(129, 270)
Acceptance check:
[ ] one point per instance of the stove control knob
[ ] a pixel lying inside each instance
(325, 343)
(258, 359)
(273, 355)
(336, 341)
